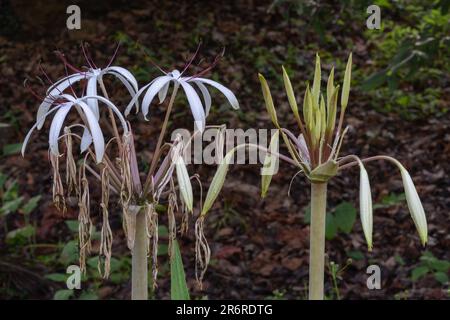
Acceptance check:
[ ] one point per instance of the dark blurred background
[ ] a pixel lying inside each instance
(398, 106)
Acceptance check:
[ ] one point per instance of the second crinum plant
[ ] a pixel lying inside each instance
(315, 151)
(115, 163)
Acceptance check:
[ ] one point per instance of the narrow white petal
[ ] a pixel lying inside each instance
(135, 99)
(110, 105)
(195, 104)
(125, 73)
(162, 94)
(27, 137)
(152, 91)
(55, 90)
(127, 79)
(86, 140)
(55, 127)
(206, 96)
(91, 90)
(62, 84)
(96, 132)
(226, 92)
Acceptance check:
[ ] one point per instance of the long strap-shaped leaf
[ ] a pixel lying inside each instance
(178, 286)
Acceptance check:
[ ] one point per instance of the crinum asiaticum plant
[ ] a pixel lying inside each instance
(316, 153)
(114, 164)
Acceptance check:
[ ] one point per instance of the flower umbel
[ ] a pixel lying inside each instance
(316, 149)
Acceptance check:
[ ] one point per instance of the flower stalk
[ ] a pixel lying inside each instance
(317, 240)
(139, 268)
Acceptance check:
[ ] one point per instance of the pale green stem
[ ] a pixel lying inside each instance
(139, 269)
(317, 240)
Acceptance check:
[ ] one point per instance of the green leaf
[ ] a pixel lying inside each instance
(72, 225)
(440, 265)
(69, 253)
(63, 294)
(345, 216)
(355, 255)
(419, 272)
(330, 227)
(163, 249)
(31, 205)
(21, 235)
(92, 262)
(57, 277)
(11, 149)
(441, 277)
(11, 206)
(178, 286)
(3, 178)
(163, 231)
(88, 295)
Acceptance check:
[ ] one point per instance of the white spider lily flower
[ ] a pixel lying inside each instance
(92, 133)
(94, 76)
(414, 205)
(365, 205)
(160, 86)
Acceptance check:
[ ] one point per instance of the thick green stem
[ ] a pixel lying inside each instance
(317, 240)
(139, 269)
